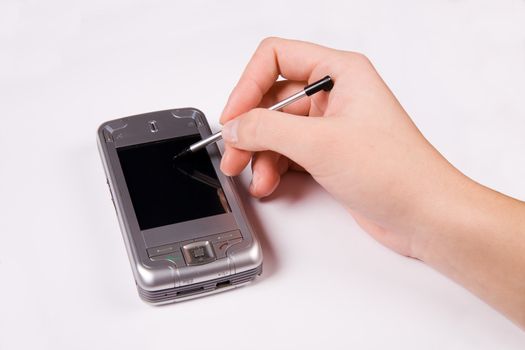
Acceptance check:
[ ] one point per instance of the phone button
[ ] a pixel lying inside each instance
(225, 236)
(175, 257)
(198, 253)
(221, 247)
(162, 250)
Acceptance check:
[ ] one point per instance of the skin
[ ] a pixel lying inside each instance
(360, 145)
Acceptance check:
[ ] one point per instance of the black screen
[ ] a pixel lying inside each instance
(166, 191)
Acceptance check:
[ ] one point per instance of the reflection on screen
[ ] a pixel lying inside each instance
(164, 191)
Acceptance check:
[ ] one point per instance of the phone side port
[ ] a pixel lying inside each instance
(223, 284)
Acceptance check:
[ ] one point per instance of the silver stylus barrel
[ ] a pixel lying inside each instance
(205, 142)
(325, 84)
(288, 100)
(217, 136)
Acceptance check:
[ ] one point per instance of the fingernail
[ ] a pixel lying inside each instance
(226, 106)
(256, 179)
(223, 115)
(274, 186)
(229, 131)
(225, 160)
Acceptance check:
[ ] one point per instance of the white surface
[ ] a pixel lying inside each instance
(458, 67)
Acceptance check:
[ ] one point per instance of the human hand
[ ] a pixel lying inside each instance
(363, 148)
(357, 141)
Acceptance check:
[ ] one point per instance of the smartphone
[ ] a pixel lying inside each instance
(184, 227)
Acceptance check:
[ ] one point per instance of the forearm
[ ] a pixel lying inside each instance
(479, 241)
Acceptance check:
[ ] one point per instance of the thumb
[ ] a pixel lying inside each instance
(296, 137)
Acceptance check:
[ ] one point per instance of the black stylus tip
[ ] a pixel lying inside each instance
(182, 153)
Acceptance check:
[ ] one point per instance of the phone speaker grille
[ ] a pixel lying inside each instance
(172, 294)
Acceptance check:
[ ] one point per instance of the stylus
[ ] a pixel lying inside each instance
(325, 84)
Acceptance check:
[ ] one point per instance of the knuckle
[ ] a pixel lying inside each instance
(268, 42)
(354, 60)
(258, 126)
(254, 126)
(248, 126)
(360, 58)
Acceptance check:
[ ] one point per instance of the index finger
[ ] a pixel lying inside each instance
(292, 59)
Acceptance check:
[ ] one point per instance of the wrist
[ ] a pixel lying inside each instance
(475, 221)
(446, 212)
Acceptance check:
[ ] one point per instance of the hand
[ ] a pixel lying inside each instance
(356, 141)
(363, 148)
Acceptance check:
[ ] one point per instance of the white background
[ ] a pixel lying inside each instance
(458, 67)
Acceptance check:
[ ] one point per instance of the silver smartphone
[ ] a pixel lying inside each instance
(184, 227)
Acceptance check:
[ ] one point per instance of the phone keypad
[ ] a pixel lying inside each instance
(196, 252)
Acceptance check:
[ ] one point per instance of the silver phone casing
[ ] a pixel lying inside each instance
(167, 280)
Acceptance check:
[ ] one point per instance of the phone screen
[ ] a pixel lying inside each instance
(165, 191)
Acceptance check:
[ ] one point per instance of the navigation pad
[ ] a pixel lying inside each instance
(196, 252)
